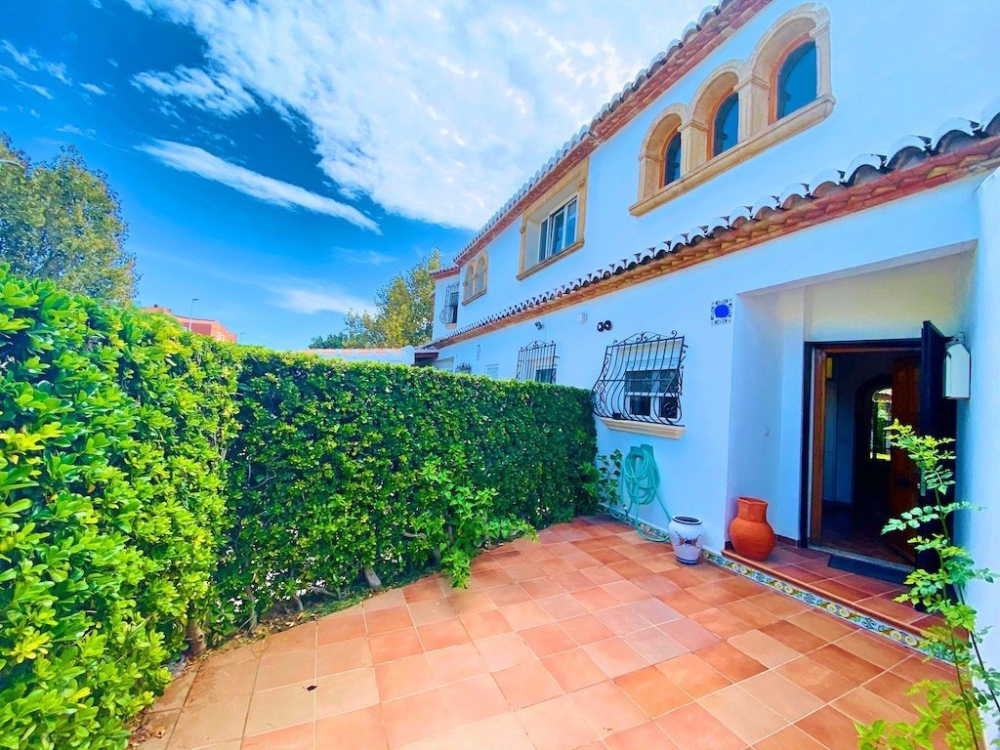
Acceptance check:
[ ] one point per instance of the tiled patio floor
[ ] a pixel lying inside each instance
(591, 639)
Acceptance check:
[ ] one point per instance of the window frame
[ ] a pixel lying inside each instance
(571, 187)
(534, 358)
(642, 359)
(779, 71)
(475, 278)
(731, 103)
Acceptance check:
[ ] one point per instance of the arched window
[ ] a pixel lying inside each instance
(725, 128)
(481, 275)
(797, 80)
(672, 160)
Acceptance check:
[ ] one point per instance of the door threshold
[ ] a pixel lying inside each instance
(865, 559)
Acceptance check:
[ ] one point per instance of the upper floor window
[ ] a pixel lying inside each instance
(725, 129)
(672, 160)
(553, 226)
(558, 231)
(537, 362)
(475, 277)
(796, 84)
(449, 313)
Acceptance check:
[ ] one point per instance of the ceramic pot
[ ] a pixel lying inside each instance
(686, 538)
(751, 534)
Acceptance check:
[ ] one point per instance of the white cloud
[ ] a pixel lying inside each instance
(93, 88)
(31, 60)
(362, 257)
(221, 93)
(278, 193)
(74, 130)
(20, 83)
(436, 110)
(312, 300)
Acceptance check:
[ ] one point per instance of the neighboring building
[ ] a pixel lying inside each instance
(204, 326)
(758, 253)
(402, 356)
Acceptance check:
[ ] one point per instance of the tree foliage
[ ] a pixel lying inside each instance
(61, 221)
(404, 311)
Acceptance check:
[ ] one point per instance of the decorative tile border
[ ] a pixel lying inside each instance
(837, 609)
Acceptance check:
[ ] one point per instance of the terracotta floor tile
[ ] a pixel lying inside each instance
(822, 625)
(473, 700)
(417, 717)
(157, 726)
(469, 602)
(357, 730)
(693, 675)
(586, 629)
(790, 701)
(879, 651)
(525, 615)
(778, 604)
(573, 581)
(442, 634)
(721, 623)
(455, 663)
(656, 585)
(281, 707)
(396, 645)
(503, 732)
(510, 594)
(822, 682)
(646, 736)
(691, 727)
(655, 645)
(917, 668)
(489, 579)
(601, 574)
(831, 729)
(562, 607)
(342, 657)
(845, 663)
(793, 636)
(432, 611)
(177, 691)
(548, 639)
(336, 629)
(505, 650)
(299, 737)
(742, 714)
(573, 669)
(840, 591)
(428, 589)
(866, 707)
(542, 588)
(750, 613)
(215, 684)
(615, 657)
(527, 684)
(763, 648)
(653, 611)
(348, 691)
(524, 572)
(397, 679)
(485, 624)
(387, 620)
(607, 708)
(731, 662)
(894, 688)
(625, 591)
(684, 602)
(652, 691)
(789, 738)
(595, 599)
(300, 637)
(285, 669)
(713, 594)
(556, 724)
(621, 619)
(689, 634)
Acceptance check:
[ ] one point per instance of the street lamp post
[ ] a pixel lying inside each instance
(191, 314)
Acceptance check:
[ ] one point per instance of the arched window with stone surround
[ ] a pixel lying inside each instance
(474, 281)
(726, 124)
(796, 80)
(715, 115)
(664, 142)
(672, 159)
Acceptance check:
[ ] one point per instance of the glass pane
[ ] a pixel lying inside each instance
(639, 405)
(570, 222)
(672, 160)
(545, 375)
(727, 125)
(543, 239)
(797, 80)
(558, 230)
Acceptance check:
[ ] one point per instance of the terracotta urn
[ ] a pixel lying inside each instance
(751, 534)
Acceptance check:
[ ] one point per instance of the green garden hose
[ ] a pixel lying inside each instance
(641, 483)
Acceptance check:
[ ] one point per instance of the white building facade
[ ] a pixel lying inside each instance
(799, 206)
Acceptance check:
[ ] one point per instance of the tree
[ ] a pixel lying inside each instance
(404, 310)
(61, 221)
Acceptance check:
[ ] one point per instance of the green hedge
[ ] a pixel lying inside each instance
(327, 471)
(150, 478)
(112, 431)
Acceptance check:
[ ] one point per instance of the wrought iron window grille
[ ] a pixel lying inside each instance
(449, 313)
(537, 362)
(465, 369)
(641, 379)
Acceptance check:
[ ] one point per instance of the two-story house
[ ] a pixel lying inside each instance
(761, 252)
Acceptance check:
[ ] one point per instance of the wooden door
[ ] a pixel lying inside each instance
(904, 485)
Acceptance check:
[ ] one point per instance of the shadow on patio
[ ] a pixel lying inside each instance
(592, 638)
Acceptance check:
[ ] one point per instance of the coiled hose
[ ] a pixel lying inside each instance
(641, 483)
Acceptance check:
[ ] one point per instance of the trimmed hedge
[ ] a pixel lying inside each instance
(327, 473)
(151, 478)
(113, 426)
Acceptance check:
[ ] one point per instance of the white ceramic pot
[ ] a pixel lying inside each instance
(686, 537)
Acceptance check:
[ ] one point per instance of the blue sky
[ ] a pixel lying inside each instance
(280, 160)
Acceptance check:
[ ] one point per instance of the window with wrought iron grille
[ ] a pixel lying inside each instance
(537, 362)
(449, 313)
(641, 379)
